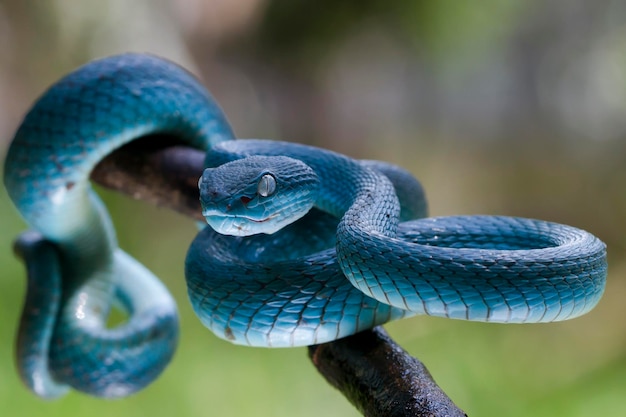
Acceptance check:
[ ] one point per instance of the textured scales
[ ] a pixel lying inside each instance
(344, 250)
(82, 118)
(482, 268)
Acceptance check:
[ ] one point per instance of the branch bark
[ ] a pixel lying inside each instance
(373, 372)
(380, 378)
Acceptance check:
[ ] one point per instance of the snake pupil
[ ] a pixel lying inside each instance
(267, 185)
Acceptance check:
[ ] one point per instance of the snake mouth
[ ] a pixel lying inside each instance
(236, 217)
(217, 214)
(239, 225)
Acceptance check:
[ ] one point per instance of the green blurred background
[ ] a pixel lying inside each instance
(499, 107)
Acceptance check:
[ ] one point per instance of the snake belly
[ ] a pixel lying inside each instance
(361, 257)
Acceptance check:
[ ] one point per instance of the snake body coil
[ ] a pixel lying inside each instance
(324, 246)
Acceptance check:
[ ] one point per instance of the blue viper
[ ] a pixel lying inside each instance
(304, 246)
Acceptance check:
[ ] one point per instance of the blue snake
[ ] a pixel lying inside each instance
(304, 245)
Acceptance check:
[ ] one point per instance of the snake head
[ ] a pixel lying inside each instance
(257, 194)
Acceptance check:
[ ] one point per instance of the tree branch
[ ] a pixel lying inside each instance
(380, 378)
(156, 171)
(375, 374)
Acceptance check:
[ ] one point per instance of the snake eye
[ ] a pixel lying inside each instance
(267, 185)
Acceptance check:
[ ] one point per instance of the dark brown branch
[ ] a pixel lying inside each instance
(380, 378)
(155, 171)
(375, 374)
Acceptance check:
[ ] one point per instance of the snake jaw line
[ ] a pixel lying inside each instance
(238, 225)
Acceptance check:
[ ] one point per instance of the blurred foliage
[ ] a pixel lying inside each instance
(305, 30)
(499, 107)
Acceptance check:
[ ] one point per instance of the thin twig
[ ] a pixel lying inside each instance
(375, 374)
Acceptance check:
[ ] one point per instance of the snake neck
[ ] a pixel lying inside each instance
(363, 199)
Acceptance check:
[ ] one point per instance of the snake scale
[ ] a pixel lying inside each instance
(304, 245)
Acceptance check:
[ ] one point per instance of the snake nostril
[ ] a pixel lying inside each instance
(245, 200)
(209, 192)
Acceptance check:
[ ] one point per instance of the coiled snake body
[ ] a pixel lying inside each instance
(312, 245)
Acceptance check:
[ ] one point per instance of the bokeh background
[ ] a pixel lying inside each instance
(499, 107)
